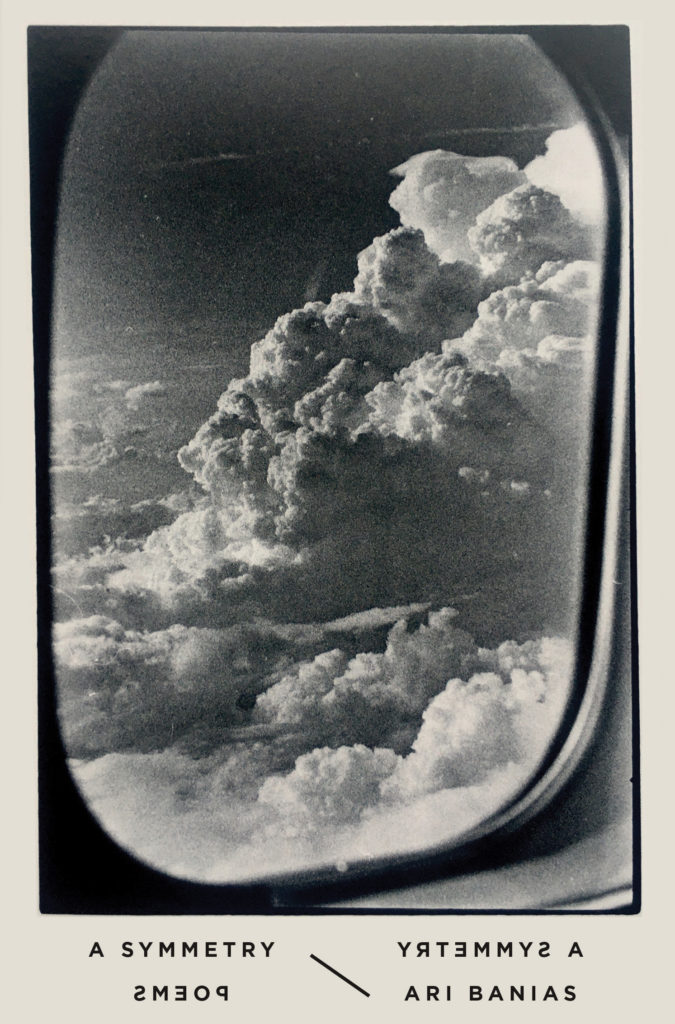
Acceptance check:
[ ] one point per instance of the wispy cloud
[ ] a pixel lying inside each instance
(505, 129)
(198, 161)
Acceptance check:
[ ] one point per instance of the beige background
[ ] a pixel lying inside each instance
(625, 971)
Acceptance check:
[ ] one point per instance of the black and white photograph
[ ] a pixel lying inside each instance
(334, 450)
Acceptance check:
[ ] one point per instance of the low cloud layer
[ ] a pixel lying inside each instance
(251, 805)
(121, 429)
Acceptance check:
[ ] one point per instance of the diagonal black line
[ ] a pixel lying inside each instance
(333, 971)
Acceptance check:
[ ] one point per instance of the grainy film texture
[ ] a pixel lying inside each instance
(324, 332)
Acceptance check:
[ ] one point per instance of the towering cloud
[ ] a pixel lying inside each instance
(524, 229)
(411, 446)
(443, 193)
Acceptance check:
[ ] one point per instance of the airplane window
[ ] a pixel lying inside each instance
(325, 344)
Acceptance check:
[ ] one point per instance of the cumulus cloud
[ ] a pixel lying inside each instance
(442, 194)
(441, 399)
(247, 808)
(351, 412)
(276, 659)
(328, 788)
(524, 229)
(97, 520)
(402, 278)
(539, 334)
(571, 169)
(80, 582)
(84, 446)
(102, 424)
(136, 395)
(503, 714)
(362, 468)
(506, 714)
(372, 697)
(303, 346)
(510, 220)
(127, 689)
